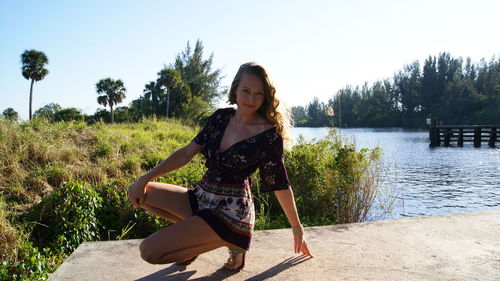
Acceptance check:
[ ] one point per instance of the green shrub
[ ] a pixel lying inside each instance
(331, 181)
(30, 262)
(119, 220)
(66, 218)
(112, 215)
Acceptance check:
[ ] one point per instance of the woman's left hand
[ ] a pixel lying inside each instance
(300, 245)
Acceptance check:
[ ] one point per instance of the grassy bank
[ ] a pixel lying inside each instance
(65, 183)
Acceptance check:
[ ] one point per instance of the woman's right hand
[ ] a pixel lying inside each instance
(137, 192)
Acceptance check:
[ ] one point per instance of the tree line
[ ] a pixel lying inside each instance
(188, 89)
(453, 90)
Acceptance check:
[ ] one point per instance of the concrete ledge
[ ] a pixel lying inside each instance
(447, 247)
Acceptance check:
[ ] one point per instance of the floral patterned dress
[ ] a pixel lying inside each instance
(223, 197)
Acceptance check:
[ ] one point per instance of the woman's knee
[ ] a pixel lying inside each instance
(149, 252)
(149, 191)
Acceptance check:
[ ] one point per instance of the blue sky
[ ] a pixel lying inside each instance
(311, 48)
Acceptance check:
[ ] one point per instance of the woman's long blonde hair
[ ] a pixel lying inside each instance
(271, 109)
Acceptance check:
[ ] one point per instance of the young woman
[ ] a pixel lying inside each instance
(219, 211)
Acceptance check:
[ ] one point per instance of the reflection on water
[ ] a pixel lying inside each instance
(428, 181)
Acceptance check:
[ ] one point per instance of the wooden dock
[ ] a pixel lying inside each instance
(447, 135)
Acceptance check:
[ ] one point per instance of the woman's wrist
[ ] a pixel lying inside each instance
(144, 178)
(298, 230)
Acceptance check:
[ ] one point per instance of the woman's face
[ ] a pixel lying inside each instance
(250, 93)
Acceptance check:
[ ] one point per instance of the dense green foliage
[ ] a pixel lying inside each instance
(10, 114)
(66, 217)
(449, 89)
(65, 183)
(332, 183)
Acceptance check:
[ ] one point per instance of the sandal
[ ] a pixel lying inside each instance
(188, 262)
(233, 253)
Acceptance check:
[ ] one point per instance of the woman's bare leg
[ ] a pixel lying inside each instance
(168, 201)
(172, 203)
(181, 241)
(161, 213)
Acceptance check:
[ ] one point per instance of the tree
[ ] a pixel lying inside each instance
(407, 87)
(198, 75)
(33, 62)
(188, 88)
(487, 85)
(379, 106)
(10, 114)
(316, 113)
(100, 115)
(48, 111)
(463, 99)
(125, 114)
(177, 95)
(151, 92)
(430, 87)
(111, 93)
(299, 115)
(69, 114)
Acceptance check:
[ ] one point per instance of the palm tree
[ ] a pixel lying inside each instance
(33, 68)
(151, 91)
(112, 92)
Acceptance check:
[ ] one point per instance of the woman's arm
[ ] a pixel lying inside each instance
(287, 202)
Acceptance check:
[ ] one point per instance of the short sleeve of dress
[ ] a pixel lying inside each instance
(202, 137)
(273, 174)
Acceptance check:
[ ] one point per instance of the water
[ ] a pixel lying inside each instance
(423, 180)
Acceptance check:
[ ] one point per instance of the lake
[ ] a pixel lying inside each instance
(423, 180)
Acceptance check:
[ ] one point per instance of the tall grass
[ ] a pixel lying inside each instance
(65, 183)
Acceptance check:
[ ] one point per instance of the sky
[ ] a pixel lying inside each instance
(310, 48)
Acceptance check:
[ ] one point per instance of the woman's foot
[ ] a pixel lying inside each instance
(236, 260)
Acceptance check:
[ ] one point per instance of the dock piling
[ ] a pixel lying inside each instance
(450, 134)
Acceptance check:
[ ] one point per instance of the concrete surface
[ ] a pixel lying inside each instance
(447, 247)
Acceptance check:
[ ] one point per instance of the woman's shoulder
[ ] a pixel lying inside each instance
(227, 111)
(220, 114)
(272, 138)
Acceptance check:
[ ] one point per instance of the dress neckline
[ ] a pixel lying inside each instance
(233, 111)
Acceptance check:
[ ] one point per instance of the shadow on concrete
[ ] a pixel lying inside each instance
(173, 272)
(277, 269)
(176, 272)
(220, 274)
